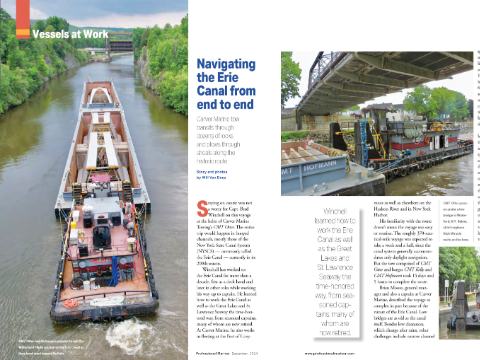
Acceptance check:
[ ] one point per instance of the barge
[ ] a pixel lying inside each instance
(398, 148)
(311, 169)
(364, 156)
(101, 109)
(105, 272)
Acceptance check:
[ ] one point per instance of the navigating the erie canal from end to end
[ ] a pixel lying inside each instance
(35, 140)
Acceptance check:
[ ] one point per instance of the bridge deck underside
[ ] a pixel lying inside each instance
(355, 77)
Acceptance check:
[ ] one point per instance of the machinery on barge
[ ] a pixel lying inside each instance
(398, 148)
(105, 271)
(101, 144)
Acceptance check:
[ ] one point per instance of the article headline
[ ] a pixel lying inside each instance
(224, 76)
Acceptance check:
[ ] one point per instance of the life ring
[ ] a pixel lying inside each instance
(70, 303)
(427, 140)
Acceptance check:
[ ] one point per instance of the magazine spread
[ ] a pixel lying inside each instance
(144, 214)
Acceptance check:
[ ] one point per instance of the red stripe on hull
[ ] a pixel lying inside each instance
(416, 146)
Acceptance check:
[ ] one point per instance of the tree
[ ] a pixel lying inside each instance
(353, 108)
(461, 108)
(144, 37)
(420, 100)
(49, 28)
(58, 24)
(184, 26)
(444, 100)
(291, 75)
(40, 25)
(4, 16)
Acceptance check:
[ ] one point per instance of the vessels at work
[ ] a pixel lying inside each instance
(376, 148)
(105, 271)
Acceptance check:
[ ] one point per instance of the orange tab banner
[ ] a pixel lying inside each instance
(23, 19)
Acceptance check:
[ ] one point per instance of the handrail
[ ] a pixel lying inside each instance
(379, 139)
(112, 292)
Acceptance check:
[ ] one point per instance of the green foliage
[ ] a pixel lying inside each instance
(420, 100)
(439, 102)
(291, 75)
(136, 40)
(169, 55)
(184, 26)
(49, 28)
(294, 136)
(457, 263)
(461, 107)
(40, 25)
(58, 24)
(27, 63)
(356, 107)
(4, 16)
(168, 60)
(174, 90)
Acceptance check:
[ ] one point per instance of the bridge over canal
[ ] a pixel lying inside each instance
(339, 80)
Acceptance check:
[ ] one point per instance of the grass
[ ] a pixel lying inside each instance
(294, 136)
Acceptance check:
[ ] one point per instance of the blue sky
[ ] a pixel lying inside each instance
(111, 13)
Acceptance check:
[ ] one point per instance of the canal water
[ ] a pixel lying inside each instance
(445, 334)
(453, 177)
(34, 143)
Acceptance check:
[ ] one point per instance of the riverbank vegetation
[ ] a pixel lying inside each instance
(441, 103)
(316, 136)
(167, 52)
(28, 63)
(457, 263)
(291, 75)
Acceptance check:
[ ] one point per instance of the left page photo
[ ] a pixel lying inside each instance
(93, 179)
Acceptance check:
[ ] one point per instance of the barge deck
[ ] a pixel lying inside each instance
(101, 108)
(105, 271)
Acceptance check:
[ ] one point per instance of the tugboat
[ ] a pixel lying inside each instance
(105, 271)
(398, 148)
(365, 155)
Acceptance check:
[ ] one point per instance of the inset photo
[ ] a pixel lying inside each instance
(377, 123)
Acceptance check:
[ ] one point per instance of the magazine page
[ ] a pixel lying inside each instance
(143, 213)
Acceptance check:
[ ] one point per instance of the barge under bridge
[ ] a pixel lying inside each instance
(339, 80)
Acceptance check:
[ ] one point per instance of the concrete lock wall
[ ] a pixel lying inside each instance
(310, 122)
(289, 124)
